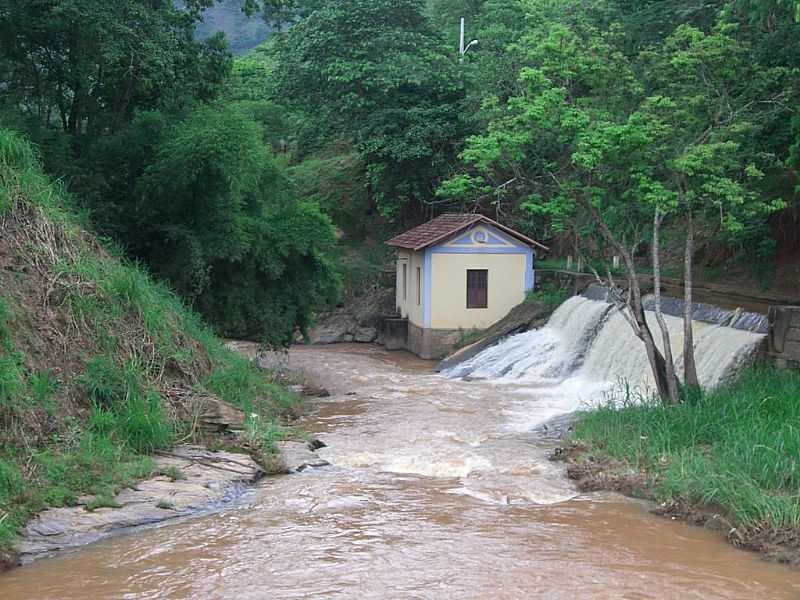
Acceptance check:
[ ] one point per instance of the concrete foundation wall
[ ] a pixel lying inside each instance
(784, 336)
(395, 334)
(432, 344)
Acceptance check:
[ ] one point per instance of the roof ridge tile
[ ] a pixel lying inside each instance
(446, 225)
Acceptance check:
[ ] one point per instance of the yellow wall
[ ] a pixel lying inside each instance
(449, 289)
(408, 306)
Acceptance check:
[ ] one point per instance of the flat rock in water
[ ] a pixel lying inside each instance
(556, 428)
(298, 456)
(207, 478)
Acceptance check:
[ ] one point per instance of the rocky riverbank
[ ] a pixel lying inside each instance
(188, 480)
(101, 367)
(359, 320)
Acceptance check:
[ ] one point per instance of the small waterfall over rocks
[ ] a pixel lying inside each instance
(587, 347)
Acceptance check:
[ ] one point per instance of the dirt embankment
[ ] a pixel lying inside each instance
(594, 472)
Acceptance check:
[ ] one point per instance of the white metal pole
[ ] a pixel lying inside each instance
(461, 48)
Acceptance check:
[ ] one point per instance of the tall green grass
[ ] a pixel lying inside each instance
(11, 374)
(83, 462)
(124, 408)
(20, 388)
(737, 447)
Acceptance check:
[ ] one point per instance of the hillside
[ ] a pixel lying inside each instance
(244, 33)
(99, 365)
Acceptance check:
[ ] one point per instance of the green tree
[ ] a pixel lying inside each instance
(203, 202)
(374, 72)
(87, 65)
(611, 149)
(712, 101)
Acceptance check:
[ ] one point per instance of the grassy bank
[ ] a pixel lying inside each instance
(736, 449)
(98, 363)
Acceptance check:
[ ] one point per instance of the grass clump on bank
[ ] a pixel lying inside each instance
(549, 295)
(736, 448)
(95, 357)
(467, 337)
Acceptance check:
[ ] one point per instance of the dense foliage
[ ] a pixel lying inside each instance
(686, 105)
(210, 209)
(170, 154)
(374, 74)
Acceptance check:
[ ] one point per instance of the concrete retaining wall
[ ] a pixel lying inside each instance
(784, 336)
(432, 344)
(395, 334)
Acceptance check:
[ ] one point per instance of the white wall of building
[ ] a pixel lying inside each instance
(506, 289)
(410, 297)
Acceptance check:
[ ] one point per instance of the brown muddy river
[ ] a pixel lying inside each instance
(434, 493)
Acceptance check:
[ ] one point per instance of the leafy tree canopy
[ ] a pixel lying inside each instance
(204, 203)
(375, 72)
(88, 65)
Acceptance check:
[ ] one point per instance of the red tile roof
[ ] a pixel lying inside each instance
(439, 229)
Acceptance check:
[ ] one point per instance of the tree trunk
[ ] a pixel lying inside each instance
(640, 327)
(77, 110)
(689, 364)
(672, 379)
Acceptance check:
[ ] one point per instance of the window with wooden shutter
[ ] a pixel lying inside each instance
(477, 288)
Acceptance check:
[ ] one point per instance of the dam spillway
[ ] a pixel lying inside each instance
(588, 347)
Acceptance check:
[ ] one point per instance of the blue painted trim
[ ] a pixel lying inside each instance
(464, 241)
(530, 276)
(505, 238)
(478, 250)
(495, 236)
(493, 239)
(427, 276)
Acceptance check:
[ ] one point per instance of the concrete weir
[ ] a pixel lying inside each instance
(588, 346)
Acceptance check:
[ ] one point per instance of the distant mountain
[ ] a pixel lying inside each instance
(244, 33)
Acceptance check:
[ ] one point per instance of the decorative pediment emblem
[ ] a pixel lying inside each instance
(481, 237)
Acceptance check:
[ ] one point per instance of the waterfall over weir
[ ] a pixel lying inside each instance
(588, 346)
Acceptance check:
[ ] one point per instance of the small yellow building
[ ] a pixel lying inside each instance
(458, 273)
